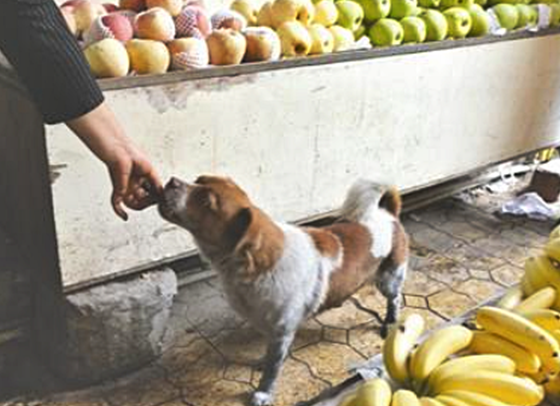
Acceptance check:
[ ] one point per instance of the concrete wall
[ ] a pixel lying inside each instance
(296, 138)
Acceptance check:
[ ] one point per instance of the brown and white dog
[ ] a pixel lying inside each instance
(277, 275)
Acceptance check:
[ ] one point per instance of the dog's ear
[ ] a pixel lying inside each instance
(239, 226)
(259, 242)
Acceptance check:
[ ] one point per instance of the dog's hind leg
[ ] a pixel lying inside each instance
(389, 280)
(275, 355)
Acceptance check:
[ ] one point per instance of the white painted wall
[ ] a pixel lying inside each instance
(296, 139)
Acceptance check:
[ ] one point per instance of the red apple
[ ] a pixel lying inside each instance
(193, 22)
(113, 25)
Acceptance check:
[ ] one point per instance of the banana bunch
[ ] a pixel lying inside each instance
(375, 392)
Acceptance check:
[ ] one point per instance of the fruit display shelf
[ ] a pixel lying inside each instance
(374, 367)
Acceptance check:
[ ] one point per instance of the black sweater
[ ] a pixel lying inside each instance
(35, 39)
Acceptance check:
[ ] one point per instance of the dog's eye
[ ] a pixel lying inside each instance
(206, 198)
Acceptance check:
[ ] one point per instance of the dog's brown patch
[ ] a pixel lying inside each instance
(357, 263)
(325, 241)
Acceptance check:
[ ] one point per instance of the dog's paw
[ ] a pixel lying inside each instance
(261, 399)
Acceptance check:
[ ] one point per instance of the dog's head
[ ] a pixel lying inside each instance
(214, 209)
(220, 216)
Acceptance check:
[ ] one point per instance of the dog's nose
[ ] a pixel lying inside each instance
(173, 183)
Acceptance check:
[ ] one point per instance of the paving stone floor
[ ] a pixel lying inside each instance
(461, 255)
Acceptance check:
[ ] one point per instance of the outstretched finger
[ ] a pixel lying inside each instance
(120, 178)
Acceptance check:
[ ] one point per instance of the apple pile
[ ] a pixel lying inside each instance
(154, 36)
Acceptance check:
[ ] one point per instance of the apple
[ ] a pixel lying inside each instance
(350, 14)
(527, 16)
(436, 25)
(386, 32)
(85, 14)
(155, 23)
(173, 7)
(375, 9)
(554, 15)
(507, 15)
(68, 14)
(108, 59)
(112, 25)
(226, 46)
(264, 16)
(129, 15)
(343, 38)
(414, 30)
(188, 53)
(148, 56)
(360, 32)
(445, 4)
(291, 10)
(459, 22)
(263, 44)
(193, 22)
(322, 40)
(226, 18)
(402, 8)
(247, 9)
(326, 13)
(295, 40)
(134, 5)
(429, 3)
(481, 22)
(481, 2)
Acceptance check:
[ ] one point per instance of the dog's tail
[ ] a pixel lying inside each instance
(366, 196)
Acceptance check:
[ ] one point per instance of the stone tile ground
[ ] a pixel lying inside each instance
(461, 255)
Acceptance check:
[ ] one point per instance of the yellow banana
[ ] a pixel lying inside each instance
(426, 401)
(436, 348)
(512, 298)
(552, 249)
(540, 377)
(375, 392)
(554, 234)
(488, 343)
(451, 401)
(552, 388)
(541, 299)
(527, 334)
(545, 318)
(533, 279)
(398, 345)
(506, 388)
(474, 399)
(457, 366)
(405, 398)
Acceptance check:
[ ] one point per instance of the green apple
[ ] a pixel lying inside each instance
(343, 38)
(402, 8)
(480, 21)
(481, 2)
(386, 32)
(554, 15)
(459, 22)
(436, 25)
(507, 15)
(414, 29)
(375, 9)
(247, 8)
(322, 40)
(445, 4)
(429, 3)
(527, 16)
(326, 13)
(350, 14)
(360, 32)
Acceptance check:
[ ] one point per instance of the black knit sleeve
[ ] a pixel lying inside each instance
(35, 39)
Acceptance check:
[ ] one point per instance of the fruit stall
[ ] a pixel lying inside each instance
(292, 99)
(505, 351)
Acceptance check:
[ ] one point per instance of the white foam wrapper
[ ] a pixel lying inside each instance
(362, 43)
(495, 26)
(545, 14)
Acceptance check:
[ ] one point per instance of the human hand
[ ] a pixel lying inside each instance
(136, 183)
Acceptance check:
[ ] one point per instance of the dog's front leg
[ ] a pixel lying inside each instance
(275, 355)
